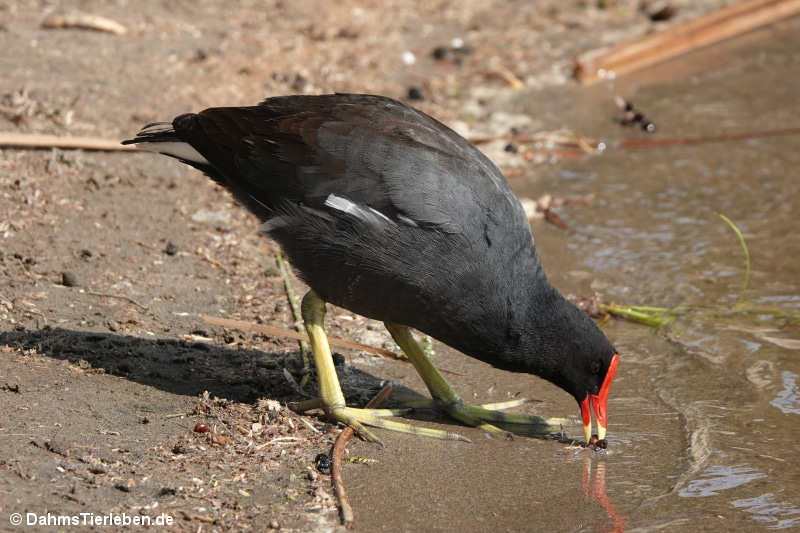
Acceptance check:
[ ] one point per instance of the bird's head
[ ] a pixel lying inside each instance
(581, 361)
(593, 395)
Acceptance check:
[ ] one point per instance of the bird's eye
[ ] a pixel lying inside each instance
(595, 368)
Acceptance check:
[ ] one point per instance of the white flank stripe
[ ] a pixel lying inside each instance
(367, 214)
(344, 205)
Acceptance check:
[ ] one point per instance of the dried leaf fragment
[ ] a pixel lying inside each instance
(84, 21)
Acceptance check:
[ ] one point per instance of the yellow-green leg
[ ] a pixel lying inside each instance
(331, 397)
(447, 399)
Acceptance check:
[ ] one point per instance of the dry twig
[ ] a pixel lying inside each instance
(296, 314)
(38, 140)
(336, 460)
(288, 333)
(119, 297)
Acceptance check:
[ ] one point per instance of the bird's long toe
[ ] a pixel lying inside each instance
(376, 418)
(486, 418)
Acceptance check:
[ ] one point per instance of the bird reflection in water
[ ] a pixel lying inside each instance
(594, 487)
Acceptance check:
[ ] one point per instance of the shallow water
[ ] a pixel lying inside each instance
(653, 237)
(705, 414)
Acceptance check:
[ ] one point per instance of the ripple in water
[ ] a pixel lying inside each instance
(717, 478)
(788, 400)
(781, 515)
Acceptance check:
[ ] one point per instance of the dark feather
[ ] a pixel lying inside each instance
(422, 229)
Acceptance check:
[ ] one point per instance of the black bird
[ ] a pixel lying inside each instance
(389, 213)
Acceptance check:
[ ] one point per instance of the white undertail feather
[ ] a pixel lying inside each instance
(273, 223)
(178, 149)
(280, 221)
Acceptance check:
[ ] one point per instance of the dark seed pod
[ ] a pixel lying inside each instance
(323, 463)
(415, 93)
(68, 279)
(201, 428)
(440, 52)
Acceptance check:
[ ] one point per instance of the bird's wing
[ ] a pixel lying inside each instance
(373, 152)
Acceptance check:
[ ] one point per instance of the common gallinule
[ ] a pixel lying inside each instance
(388, 213)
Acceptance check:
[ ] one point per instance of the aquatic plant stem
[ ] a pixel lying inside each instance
(743, 244)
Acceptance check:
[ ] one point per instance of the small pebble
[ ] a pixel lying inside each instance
(648, 127)
(658, 11)
(68, 279)
(273, 524)
(440, 53)
(171, 249)
(414, 93)
(510, 148)
(178, 449)
(124, 486)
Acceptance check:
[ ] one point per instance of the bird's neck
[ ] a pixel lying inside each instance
(512, 324)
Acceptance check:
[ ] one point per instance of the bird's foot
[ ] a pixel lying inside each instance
(358, 419)
(485, 416)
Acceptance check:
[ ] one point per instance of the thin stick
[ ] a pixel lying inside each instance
(336, 460)
(119, 297)
(288, 333)
(287, 286)
(713, 27)
(648, 143)
(638, 143)
(38, 140)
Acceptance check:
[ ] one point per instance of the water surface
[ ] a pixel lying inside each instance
(704, 415)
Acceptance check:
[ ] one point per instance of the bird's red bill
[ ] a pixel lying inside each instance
(599, 404)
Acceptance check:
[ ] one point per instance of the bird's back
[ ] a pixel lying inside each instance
(381, 208)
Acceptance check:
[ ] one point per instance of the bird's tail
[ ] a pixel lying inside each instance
(160, 137)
